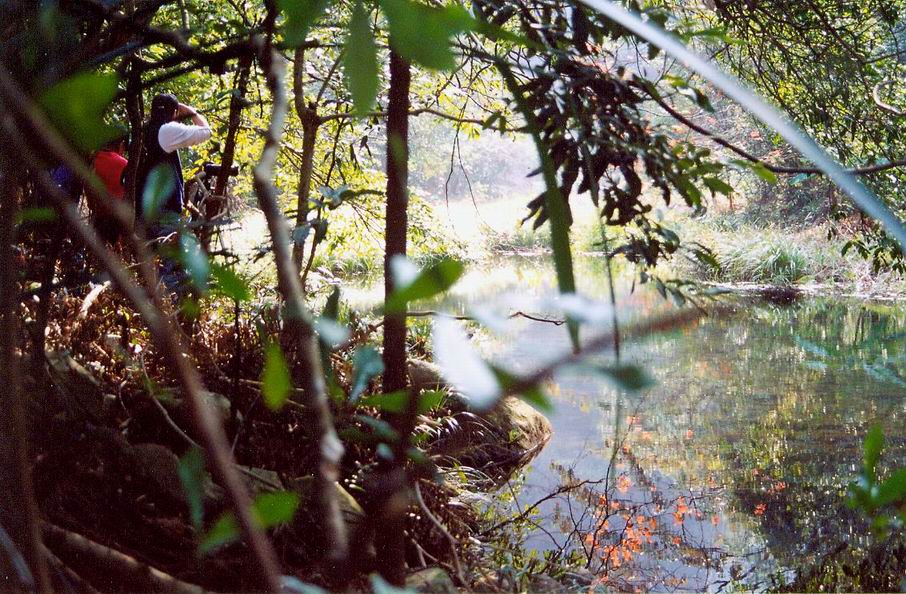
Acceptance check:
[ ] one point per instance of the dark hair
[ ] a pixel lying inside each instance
(114, 143)
(162, 108)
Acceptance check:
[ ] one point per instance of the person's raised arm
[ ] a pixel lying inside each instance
(189, 111)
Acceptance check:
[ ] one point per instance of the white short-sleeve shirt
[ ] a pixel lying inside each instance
(174, 135)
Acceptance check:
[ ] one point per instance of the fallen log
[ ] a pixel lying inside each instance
(89, 558)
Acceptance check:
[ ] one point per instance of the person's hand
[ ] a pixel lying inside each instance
(184, 111)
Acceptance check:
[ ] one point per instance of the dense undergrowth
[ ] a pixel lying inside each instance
(112, 434)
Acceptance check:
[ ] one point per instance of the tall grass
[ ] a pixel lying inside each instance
(771, 258)
(754, 254)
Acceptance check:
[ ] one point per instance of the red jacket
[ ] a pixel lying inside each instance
(109, 167)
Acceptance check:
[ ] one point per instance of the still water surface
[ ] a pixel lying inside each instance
(734, 465)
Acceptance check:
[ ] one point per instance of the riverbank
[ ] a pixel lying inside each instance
(753, 257)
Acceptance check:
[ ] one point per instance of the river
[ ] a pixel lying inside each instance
(731, 469)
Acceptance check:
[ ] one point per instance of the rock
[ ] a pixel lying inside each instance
(424, 375)
(352, 511)
(158, 467)
(432, 580)
(179, 407)
(78, 390)
(528, 429)
(545, 583)
(580, 578)
(507, 437)
(498, 443)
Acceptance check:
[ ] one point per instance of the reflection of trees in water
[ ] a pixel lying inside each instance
(790, 454)
(635, 534)
(760, 419)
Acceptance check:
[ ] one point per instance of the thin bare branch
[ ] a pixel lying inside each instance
(300, 340)
(866, 170)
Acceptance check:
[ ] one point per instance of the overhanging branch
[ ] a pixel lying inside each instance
(865, 170)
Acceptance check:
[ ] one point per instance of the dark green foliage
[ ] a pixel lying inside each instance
(192, 474)
(269, 509)
(77, 105)
(360, 63)
(157, 188)
(592, 126)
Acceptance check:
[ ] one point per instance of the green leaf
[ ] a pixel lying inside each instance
(555, 205)
(382, 429)
(195, 261)
(330, 332)
(434, 279)
(718, 185)
(276, 383)
(331, 309)
(366, 364)
(158, 187)
(294, 585)
(397, 402)
(627, 377)
(41, 214)
(275, 509)
(893, 490)
(192, 475)
(764, 173)
(533, 394)
(360, 63)
(224, 531)
(76, 107)
(462, 366)
(229, 284)
(268, 510)
(422, 33)
(874, 443)
(300, 16)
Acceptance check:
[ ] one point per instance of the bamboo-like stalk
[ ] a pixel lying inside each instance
(299, 337)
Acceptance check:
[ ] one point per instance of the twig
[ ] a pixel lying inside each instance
(188, 439)
(81, 584)
(876, 96)
(599, 343)
(18, 507)
(298, 329)
(866, 170)
(443, 530)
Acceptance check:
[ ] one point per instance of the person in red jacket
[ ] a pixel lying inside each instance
(109, 165)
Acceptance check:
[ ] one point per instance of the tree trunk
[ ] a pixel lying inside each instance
(18, 512)
(299, 337)
(396, 217)
(391, 482)
(213, 205)
(135, 111)
(308, 115)
(237, 102)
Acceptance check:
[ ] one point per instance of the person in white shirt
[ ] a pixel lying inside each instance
(164, 136)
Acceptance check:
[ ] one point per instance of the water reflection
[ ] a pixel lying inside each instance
(733, 468)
